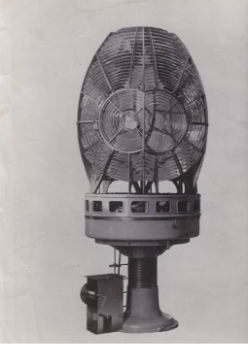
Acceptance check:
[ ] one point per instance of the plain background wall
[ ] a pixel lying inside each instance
(47, 46)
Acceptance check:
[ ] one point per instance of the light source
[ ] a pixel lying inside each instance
(142, 119)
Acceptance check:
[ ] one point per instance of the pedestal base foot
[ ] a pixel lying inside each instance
(143, 314)
(161, 323)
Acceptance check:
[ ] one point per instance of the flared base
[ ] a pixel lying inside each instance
(143, 314)
(164, 322)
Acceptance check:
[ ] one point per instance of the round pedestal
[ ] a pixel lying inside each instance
(143, 313)
(163, 323)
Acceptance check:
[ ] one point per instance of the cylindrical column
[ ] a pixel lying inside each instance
(142, 272)
(143, 313)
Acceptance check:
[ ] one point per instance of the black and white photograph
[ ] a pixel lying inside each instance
(123, 171)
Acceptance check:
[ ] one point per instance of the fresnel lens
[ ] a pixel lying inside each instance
(142, 120)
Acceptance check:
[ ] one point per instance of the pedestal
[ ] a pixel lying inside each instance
(143, 314)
